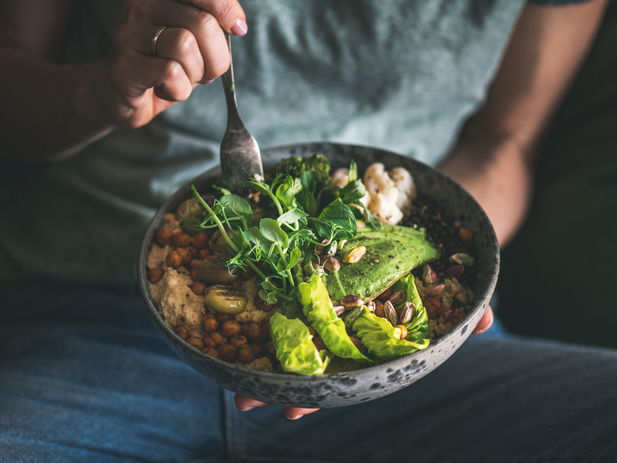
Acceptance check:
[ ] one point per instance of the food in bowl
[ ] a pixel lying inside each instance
(313, 273)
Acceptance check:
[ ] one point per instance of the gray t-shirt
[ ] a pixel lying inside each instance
(399, 74)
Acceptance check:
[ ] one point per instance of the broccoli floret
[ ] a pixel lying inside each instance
(318, 164)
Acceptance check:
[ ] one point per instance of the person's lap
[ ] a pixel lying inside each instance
(93, 381)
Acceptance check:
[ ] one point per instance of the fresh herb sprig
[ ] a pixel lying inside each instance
(278, 248)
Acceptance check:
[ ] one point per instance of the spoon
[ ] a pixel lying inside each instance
(240, 155)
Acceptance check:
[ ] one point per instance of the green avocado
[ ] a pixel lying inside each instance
(391, 252)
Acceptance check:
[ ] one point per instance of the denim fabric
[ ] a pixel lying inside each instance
(93, 382)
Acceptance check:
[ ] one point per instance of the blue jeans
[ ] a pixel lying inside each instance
(87, 379)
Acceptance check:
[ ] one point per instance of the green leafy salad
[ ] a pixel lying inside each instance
(321, 258)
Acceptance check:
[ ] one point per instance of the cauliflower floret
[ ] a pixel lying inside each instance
(340, 177)
(383, 206)
(406, 187)
(390, 193)
(376, 179)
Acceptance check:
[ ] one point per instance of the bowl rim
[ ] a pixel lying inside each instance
(143, 284)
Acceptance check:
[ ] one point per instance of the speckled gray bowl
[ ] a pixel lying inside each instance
(363, 385)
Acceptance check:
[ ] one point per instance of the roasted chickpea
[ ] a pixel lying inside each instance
(256, 332)
(185, 255)
(182, 240)
(196, 343)
(163, 237)
(155, 275)
(223, 317)
(194, 263)
(217, 338)
(260, 304)
(204, 253)
(201, 240)
(245, 329)
(209, 342)
(194, 275)
(239, 341)
(211, 351)
(228, 353)
(199, 288)
(174, 259)
(231, 328)
(209, 324)
(270, 349)
(257, 349)
(182, 331)
(465, 234)
(246, 354)
(192, 251)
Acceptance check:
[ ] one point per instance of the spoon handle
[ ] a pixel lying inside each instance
(239, 154)
(233, 117)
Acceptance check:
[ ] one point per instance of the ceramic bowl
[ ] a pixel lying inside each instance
(370, 383)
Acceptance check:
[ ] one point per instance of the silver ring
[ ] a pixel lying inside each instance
(155, 38)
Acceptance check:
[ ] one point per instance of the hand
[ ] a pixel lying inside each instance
(245, 404)
(485, 322)
(133, 84)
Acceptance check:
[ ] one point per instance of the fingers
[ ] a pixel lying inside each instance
(191, 34)
(229, 14)
(136, 73)
(245, 404)
(180, 45)
(192, 37)
(297, 413)
(134, 84)
(485, 322)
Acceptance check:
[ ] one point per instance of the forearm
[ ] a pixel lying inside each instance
(495, 153)
(498, 175)
(45, 116)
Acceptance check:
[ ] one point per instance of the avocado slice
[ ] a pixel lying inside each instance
(391, 252)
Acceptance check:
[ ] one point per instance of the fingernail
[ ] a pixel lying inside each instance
(246, 409)
(240, 28)
(293, 418)
(206, 82)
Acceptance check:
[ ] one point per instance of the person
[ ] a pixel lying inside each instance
(109, 112)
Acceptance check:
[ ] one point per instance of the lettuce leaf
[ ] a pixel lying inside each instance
(318, 309)
(417, 328)
(294, 348)
(382, 339)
